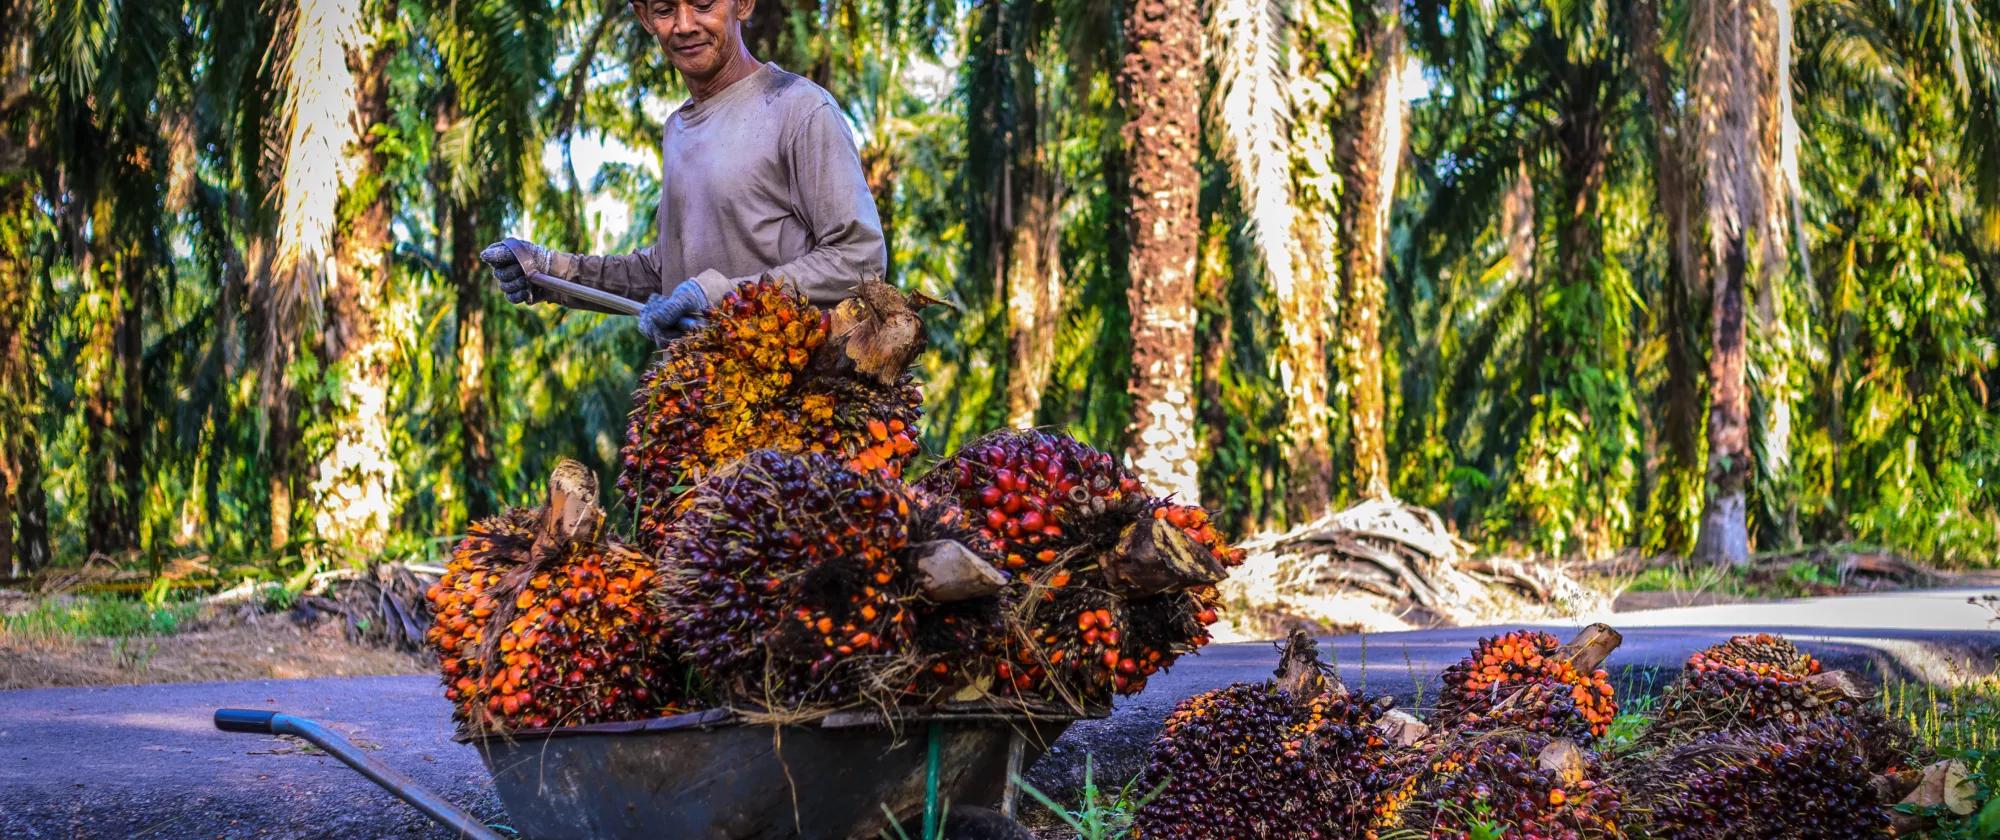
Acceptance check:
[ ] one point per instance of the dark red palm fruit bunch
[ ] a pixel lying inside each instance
(1298, 756)
(1057, 508)
(1781, 780)
(961, 643)
(757, 377)
(578, 642)
(1034, 492)
(1526, 784)
(1757, 680)
(1563, 700)
(787, 583)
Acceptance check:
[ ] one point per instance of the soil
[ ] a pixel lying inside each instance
(240, 647)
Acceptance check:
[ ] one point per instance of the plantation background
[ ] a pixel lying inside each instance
(1571, 273)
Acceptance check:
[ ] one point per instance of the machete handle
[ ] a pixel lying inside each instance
(250, 721)
(614, 303)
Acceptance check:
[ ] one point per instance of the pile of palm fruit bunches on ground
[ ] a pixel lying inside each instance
(1754, 739)
(776, 560)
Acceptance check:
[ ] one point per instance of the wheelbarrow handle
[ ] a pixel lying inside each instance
(612, 302)
(439, 809)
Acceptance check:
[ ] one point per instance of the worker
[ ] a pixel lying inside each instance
(759, 175)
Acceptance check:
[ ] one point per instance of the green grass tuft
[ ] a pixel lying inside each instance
(98, 617)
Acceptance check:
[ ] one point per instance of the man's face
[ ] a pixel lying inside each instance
(699, 36)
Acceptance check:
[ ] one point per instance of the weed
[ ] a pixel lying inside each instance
(98, 617)
(1097, 817)
(1963, 723)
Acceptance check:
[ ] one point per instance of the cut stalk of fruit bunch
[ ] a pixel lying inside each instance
(767, 372)
(541, 623)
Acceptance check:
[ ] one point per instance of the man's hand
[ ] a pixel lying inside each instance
(670, 316)
(510, 273)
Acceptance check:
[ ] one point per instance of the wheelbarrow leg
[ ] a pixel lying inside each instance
(1010, 795)
(436, 807)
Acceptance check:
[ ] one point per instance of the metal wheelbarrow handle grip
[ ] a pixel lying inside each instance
(439, 809)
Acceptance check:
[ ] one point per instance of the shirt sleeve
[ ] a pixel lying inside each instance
(831, 196)
(635, 276)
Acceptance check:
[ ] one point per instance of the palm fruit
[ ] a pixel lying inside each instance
(1294, 757)
(1527, 679)
(1512, 784)
(1067, 517)
(789, 587)
(963, 642)
(1781, 780)
(1752, 681)
(533, 632)
(759, 376)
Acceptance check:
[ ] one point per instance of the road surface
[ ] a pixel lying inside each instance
(145, 762)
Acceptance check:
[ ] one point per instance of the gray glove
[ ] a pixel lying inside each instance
(670, 316)
(511, 274)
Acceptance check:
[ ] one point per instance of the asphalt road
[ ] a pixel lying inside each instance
(145, 762)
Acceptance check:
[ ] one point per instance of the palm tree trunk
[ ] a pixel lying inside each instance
(1371, 150)
(1777, 164)
(1680, 421)
(1728, 88)
(355, 479)
(471, 280)
(1160, 88)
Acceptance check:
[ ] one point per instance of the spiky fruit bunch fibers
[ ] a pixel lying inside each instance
(579, 640)
(1252, 761)
(1779, 781)
(1466, 784)
(788, 587)
(1501, 665)
(748, 381)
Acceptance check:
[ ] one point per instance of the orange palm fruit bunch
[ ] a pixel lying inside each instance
(533, 632)
(767, 372)
(1760, 679)
(1555, 697)
(790, 582)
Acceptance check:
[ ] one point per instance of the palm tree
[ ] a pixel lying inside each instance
(1730, 81)
(1272, 139)
(1160, 88)
(1371, 151)
(24, 539)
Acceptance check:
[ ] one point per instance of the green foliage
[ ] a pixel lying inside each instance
(162, 403)
(1099, 815)
(98, 616)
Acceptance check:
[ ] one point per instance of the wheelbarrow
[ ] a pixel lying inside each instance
(714, 775)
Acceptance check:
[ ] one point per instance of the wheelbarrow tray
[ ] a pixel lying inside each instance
(712, 775)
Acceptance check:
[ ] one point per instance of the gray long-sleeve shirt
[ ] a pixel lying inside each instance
(761, 178)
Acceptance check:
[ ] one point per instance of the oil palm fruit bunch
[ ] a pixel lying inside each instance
(1528, 679)
(1781, 780)
(788, 585)
(768, 372)
(1111, 584)
(1297, 756)
(1513, 784)
(1755, 680)
(963, 641)
(541, 623)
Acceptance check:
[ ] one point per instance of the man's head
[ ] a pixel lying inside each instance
(701, 37)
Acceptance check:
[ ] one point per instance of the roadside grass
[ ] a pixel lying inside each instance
(1798, 579)
(98, 616)
(1963, 723)
(1101, 815)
